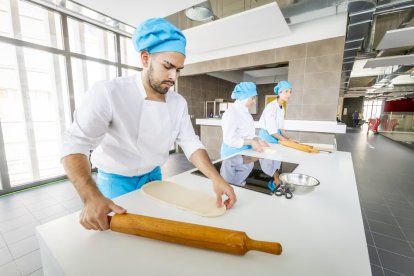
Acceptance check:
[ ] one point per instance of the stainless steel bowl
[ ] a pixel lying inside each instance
(299, 183)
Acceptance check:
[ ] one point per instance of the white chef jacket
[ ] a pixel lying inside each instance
(237, 124)
(129, 135)
(273, 118)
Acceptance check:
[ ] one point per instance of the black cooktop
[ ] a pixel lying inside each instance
(252, 173)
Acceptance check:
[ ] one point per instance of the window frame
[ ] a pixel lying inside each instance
(5, 185)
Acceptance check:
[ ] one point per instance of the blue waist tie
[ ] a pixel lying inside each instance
(226, 150)
(268, 137)
(114, 185)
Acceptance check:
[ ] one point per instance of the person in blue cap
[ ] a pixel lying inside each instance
(131, 123)
(272, 120)
(237, 123)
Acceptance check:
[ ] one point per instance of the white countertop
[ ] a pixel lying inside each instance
(293, 125)
(321, 233)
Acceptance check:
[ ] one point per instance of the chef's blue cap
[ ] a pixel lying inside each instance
(244, 90)
(158, 35)
(282, 85)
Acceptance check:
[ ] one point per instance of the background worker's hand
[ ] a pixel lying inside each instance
(263, 143)
(293, 140)
(95, 211)
(257, 146)
(220, 187)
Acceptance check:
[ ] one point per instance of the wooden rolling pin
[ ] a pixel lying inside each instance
(224, 240)
(298, 146)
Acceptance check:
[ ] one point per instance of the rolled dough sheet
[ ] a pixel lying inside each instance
(180, 197)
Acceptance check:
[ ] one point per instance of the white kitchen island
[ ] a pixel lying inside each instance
(321, 233)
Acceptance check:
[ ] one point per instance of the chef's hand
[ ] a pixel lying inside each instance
(293, 140)
(95, 211)
(263, 143)
(257, 146)
(221, 187)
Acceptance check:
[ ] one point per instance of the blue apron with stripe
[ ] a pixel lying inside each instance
(268, 137)
(226, 150)
(113, 185)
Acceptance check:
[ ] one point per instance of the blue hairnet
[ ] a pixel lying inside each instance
(282, 85)
(244, 90)
(158, 35)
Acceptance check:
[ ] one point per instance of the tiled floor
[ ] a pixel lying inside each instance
(383, 171)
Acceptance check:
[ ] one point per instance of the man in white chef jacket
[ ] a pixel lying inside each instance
(130, 123)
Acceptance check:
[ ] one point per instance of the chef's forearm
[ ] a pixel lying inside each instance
(279, 137)
(284, 133)
(202, 161)
(78, 170)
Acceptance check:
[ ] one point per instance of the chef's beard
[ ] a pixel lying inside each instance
(157, 85)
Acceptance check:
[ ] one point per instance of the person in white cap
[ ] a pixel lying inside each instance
(272, 121)
(130, 123)
(237, 124)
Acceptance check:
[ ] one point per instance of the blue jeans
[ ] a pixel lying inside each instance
(226, 150)
(114, 185)
(268, 137)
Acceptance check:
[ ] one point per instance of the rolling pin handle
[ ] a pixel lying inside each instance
(269, 247)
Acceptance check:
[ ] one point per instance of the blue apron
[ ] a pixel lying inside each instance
(268, 137)
(113, 185)
(226, 150)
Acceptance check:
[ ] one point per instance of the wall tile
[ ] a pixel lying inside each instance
(325, 47)
(216, 65)
(297, 66)
(318, 112)
(325, 79)
(296, 80)
(262, 91)
(324, 63)
(322, 95)
(238, 62)
(291, 52)
(192, 69)
(296, 97)
(294, 112)
(262, 57)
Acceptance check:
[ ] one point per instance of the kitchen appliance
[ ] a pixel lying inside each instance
(213, 238)
(223, 106)
(299, 183)
(216, 108)
(253, 173)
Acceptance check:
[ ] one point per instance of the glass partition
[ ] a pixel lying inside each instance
(397, 122)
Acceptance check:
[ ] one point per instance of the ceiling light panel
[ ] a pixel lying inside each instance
(397, 38)
(390, 61)
(262, 23)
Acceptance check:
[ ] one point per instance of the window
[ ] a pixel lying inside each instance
(86, 73)
(35, 111)
(128, 54)
(38, 92)
(128, 72)
(91, 41)
(372, 109)
(30, 23)
(5, 19)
